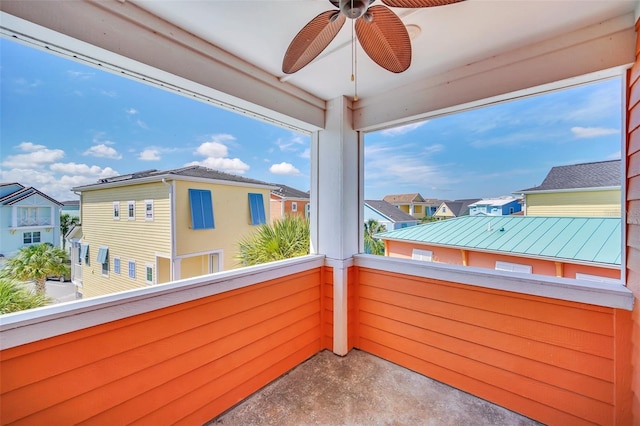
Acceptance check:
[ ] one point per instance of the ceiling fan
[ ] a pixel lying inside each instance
(380, 31)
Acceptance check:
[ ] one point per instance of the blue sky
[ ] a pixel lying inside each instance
(64, 124)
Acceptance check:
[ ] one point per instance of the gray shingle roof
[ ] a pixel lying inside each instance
(403, 198)
(188, 171)
(289, 192)
(460, 207)
(390, 211)
(586, 175)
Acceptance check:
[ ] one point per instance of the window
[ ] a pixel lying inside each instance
(131, 210)
(294, 206)
(201, 205)
(444, 209)
(149, 274)
(103, 259)
(148, 210)
(31, 237)
(596, 278)
(256, 207)
(116, 210)
(84, 253)
(307, 210)
(132, 269)
(79, 254)
(34, 216)
(510, 210)
(424, 255)
(116, 265)
(513, 267)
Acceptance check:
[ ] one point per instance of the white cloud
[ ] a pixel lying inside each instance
(291, 144)
(131, 111)
(142, 124)
(82, 169)
(401, 130)
(80, 75)
(109, 93)
(217, 155)
(229, 165)
(306, 153)
(284, 169)
(213, 149)
(103, 151)
(150, 155)
(36, 156)
(592, 132)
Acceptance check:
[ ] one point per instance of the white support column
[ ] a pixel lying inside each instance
(335, 174)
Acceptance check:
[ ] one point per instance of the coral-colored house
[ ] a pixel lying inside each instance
(287, 201)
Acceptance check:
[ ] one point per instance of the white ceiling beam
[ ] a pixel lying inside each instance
(148, 42)
(598, 51)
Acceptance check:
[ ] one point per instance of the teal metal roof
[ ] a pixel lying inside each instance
(582, 239)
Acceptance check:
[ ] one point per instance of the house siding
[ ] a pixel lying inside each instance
(551, 360)
(136, 240)
(584, 203)
(183, 364)
(633, 223)
(231, 215)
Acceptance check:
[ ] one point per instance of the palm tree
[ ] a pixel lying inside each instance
(15, 297)
(36, 262)
(66, 223)
(284, 238)
(373, 245)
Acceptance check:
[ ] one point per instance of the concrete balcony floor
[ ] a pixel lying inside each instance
(362, 389)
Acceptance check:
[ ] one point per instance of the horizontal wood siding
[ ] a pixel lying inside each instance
(352, 313)
(551, 360)
(580, 203)
(633, 226)
(136, 240)
(184, 364)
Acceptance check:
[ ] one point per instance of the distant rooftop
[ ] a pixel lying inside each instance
(460, 207)
(390, 211)
(22, 194)
(600, 174)
(188, 171)
(403, 198)
(501, 201)
(582, 239)
(289, 192)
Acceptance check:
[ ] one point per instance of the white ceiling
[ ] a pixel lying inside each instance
(452, 36)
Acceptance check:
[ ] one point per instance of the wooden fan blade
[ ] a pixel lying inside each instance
(385, 39)
(312, 40)
(418, 3)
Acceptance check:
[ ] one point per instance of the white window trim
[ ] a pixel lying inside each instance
(135, 273)
(153, 274)
(116, 208)
(513, 267)
(119, 272)
(423, 255)
(146, 204)
(294, 206)
(129, 204)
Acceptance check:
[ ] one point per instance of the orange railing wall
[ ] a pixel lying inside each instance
(182, 364)
(633, 218)
(555, 361)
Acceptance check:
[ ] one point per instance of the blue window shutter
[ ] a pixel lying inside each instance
(84, 250)
(201, 209)
(256, 207)
(102, 254)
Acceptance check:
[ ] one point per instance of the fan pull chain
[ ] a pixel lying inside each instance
(354, 60)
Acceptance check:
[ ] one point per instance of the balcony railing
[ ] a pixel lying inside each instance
(186, 351)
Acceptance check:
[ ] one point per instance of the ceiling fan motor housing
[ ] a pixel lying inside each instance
(354, 9)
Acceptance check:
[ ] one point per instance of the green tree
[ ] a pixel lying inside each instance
(66, 223)
(427, 219)
(36, 262)
(284, 238)
(373, 245)
(15, 297)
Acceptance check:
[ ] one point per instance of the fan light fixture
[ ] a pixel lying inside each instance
(383, 36)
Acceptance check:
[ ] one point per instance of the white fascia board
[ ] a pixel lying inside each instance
(550, 191)
(589, 54)
(36, 324)
(167, 57)
(594, 293)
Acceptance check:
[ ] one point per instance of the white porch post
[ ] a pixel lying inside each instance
(335, 175)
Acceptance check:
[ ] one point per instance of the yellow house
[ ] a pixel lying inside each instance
(586, 189)
(153, 227)
(450, 209)
(412, 204)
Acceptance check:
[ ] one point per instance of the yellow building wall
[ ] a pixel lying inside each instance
(582, 203)
(232, 219)
(138, 240)
(194, 266)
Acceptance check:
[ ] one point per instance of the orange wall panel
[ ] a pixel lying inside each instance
(190, 361)
(552, 360)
